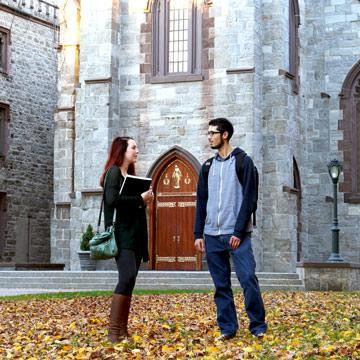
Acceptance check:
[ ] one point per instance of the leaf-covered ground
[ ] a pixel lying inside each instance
(302, 325)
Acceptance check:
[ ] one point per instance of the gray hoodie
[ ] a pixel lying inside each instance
(225, 196)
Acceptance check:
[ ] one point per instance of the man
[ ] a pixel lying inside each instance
(223, 214)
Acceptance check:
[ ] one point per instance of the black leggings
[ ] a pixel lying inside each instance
(128, 266)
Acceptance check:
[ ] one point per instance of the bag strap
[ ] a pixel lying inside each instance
(239, 158)
(101, 207)
(100, 213)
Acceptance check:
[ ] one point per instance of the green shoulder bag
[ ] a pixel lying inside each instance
(103, 244)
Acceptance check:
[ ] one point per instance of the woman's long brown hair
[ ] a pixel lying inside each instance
(116, 156)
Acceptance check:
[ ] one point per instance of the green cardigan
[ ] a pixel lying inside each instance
(130, 223)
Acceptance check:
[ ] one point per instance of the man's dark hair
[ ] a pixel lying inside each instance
(223, 125)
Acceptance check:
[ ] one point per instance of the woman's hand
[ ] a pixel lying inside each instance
(148, 196)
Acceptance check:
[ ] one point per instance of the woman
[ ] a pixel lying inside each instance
(130, 229)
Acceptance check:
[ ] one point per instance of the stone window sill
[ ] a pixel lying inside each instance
(175, 78)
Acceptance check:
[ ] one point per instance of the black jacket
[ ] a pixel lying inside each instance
(130, 224)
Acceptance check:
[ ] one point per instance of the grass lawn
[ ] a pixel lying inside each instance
(179, 325)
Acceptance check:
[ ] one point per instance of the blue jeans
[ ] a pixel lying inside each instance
(218, 253)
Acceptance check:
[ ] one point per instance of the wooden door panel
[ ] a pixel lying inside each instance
(165, 247)
(175, 212)
(186, 255)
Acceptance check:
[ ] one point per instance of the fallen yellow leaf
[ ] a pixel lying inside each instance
(212, 349)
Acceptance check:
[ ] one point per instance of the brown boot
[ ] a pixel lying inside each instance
(119, 315)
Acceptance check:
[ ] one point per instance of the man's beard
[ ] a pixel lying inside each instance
(218, 146)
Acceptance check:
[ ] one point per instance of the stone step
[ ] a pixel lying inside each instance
(64, 283)
(210, 287)
(145, 274)
(22, 291)
(106, 280)
(142, 286)
(18, 282)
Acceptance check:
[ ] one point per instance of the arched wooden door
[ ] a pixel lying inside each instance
(172, 217)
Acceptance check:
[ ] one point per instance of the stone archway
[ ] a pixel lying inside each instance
(175, 176)
(349, 145)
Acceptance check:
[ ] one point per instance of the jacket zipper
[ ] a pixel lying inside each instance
(220, 192)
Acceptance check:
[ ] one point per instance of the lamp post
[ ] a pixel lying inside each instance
(335, 169)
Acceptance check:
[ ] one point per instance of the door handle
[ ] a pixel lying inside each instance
(178, 239)
(174, 238)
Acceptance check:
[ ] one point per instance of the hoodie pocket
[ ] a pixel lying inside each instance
(211, 219)
(235, 213)
(208, 220)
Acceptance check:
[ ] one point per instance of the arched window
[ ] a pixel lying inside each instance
(294, 22)
(4, 50)
(4, 129)
(176, 41)
(350, 145)
(3, 222)
(297, 188)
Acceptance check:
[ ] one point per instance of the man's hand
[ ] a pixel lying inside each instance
(234, 242)
(199, 245)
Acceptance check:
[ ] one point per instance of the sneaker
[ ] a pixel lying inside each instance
(259, 335)
(225, 337)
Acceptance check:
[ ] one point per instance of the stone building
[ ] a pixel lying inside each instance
(28, 58)
(285, 72)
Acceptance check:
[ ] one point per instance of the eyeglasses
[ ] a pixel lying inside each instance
(212, 133)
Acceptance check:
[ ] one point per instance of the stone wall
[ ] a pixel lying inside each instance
(246, 64)
(281, 128)
(329, 276)
(87, 112)
(96, 112)
(26, 173)
(113, 98)
(64, 137)
(161, 116)
(331, 46)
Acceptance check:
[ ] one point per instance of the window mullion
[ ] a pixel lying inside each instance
(192, 40)
(165, 37)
